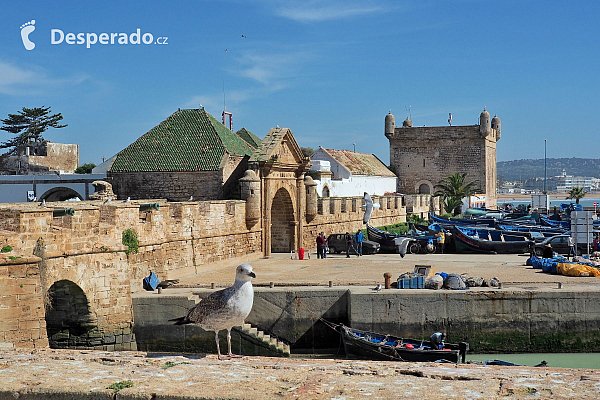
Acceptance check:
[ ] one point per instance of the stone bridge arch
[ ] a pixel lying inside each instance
(69, 321)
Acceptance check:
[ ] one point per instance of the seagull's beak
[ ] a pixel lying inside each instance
(252, 274)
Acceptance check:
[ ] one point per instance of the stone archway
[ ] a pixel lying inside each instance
(69, 322)
(60, 194)
(424, 187)
(283, 224)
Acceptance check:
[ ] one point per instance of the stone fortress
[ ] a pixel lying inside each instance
(68, 278)
(422, 156)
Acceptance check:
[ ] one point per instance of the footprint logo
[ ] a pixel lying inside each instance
(26, 29)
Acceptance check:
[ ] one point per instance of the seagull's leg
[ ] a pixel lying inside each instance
(231, 355)
(218, 348)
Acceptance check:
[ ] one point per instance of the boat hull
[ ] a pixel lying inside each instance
(469, 244)
(366, 345)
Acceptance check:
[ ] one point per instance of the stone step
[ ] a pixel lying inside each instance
(273, 343)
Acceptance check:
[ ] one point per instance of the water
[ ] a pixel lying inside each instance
(560, 360)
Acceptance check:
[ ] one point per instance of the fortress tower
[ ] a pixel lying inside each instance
(422, 156)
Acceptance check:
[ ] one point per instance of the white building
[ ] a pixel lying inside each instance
(564, 182)
(344, 173)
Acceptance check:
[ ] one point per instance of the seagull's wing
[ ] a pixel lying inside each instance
(213, 302)
(368, 208)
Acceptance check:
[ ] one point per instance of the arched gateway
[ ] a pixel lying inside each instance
(282, 223)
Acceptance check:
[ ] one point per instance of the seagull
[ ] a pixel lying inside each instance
(43, 203)
(243, 36)
(225, 308)
(127, 200)
(368, 206)
(191, 198)
(108, 200)
(378, 287)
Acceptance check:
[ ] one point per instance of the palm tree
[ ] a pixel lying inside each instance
(452, 189)
(576, 193)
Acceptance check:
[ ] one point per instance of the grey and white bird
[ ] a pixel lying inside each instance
(377, 288)
(224, 308)
(127, 200)
(368, 206)
(108, 200)
(191, 198)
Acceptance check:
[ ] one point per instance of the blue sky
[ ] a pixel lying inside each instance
(328, 70)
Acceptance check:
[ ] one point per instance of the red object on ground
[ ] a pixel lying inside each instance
(409, 346)
(301, 253)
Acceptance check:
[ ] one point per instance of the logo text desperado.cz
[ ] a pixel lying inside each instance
(57, 36)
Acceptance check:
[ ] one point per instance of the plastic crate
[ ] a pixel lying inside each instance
(411, 283)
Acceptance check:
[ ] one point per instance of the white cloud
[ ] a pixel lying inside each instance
(32, 80)
(325, 10)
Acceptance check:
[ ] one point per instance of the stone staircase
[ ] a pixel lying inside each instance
(265, 344)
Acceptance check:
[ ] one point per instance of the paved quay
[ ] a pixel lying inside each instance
(63, 374)
(368, 270)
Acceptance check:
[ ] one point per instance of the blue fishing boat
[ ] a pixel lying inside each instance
(474, 240)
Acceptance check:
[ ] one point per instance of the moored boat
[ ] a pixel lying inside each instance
(470, 240)
(374, 346)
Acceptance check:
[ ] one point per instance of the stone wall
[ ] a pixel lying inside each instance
(179, 186)
(345, 214)
(84, 254)
(22, 321)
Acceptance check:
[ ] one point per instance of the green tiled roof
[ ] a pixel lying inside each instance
(249, 137)
(188, 140)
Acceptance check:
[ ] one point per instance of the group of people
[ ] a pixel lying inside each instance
(322, 245)
(355, 243)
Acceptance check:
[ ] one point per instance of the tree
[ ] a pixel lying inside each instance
(576, 193)
(28, 124)
(452, 189)
(307, 151)
(85, 168)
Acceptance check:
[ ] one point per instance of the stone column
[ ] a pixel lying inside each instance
(299, 214)
(268, 201)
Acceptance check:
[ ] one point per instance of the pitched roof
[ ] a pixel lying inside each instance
(249, 137)
(269, 143)
(360, 163)
(188, 140)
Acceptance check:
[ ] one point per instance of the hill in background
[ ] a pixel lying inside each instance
(520, 170)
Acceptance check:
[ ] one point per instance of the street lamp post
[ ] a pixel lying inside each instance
(544, 166)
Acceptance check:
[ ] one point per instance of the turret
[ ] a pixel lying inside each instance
(407, 123)
(311, 198)
(496, 126)
(484, 123)
(250, 190)
(390, 124)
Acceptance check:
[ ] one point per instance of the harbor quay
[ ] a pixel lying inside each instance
(290, 297)
(531, 311)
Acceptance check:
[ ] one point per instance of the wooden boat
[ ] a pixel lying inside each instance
(470, 240)
(374, 346)
(385, 239)
(490, 222)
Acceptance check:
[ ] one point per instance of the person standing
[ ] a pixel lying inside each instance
(348, 244)
(441, 241)
(358, 238)
(325, 245)
(571, 245)
(320, 240)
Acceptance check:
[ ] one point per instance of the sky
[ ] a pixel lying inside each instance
(330, 70)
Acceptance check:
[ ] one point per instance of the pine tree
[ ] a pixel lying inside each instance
(28, 124)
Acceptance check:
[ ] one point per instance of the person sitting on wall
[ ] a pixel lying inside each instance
(437, 340)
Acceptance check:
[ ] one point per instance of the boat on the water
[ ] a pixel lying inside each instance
(473, 240)
(375, 346)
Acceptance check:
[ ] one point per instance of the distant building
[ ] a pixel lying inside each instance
(41, 157)
(189, 154)
(343, 173)
(564, 183)
(422, 156)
